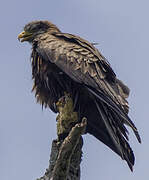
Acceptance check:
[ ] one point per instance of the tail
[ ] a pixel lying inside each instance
(106, 121)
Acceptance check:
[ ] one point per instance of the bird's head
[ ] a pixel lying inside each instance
(34, 28)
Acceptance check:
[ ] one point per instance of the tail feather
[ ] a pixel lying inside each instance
(114, 131)
(113, 106)
(106, 121)
(107, 124)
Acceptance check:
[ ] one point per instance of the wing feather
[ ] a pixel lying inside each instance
(84, 64)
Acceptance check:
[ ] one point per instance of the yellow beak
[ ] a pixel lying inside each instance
(24, 36)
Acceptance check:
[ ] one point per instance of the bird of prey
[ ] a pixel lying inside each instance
(63, 62)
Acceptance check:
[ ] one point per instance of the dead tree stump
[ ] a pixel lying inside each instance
(66, 151)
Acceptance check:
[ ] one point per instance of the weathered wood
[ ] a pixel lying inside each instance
(66, 153)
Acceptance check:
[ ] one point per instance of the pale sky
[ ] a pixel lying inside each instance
(121, 29)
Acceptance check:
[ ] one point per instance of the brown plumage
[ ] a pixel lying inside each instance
(64, 62)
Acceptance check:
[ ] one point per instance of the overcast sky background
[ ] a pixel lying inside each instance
(121, 28)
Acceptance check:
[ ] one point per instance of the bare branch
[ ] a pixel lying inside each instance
(66, 153)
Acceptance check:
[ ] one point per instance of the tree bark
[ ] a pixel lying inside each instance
(66, 151)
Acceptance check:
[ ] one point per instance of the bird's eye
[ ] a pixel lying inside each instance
(35, 28)
(32, 28)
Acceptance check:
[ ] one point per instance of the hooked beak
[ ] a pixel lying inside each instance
(24, 36)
